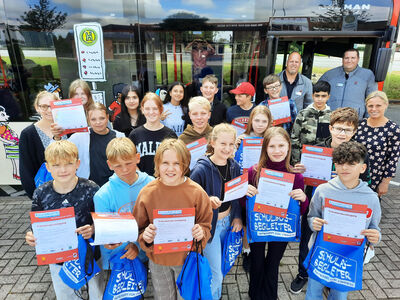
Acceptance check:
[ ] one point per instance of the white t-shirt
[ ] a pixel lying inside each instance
(174, 121)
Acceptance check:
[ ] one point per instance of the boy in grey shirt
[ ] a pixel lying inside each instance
(346, 187)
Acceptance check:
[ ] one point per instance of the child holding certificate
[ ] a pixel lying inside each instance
(119, 194)
(275, 155)
(67, 190)
(272, 88)
(346, 187)
(171, 194)
(212, 172)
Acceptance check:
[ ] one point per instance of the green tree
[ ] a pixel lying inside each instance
(41, 17)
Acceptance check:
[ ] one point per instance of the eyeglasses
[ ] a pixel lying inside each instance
(339, 130)
(44, 107)
(275, 87)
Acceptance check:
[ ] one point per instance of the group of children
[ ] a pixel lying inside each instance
(132, 188)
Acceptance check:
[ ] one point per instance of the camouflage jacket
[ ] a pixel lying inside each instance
(310, 127)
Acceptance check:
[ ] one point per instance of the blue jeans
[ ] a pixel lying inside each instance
(213, 253)
(314, 291)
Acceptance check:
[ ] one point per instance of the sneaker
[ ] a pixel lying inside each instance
(246, 262)
(297, 284)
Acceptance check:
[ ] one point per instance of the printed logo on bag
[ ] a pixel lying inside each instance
(126, 286)
(269, 225)
(334, 267)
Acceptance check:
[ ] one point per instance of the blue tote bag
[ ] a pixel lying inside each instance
(76, 273)
(128, 279)
(336, 266)
(232, 248)
(268, 228)
(194, 280)
(42, 175)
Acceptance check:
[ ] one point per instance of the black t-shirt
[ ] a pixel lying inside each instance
(81, 198)
(225, 176)
(290, 86)
(99, 170)
(147, 142)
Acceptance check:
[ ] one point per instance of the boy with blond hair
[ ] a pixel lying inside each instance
(199, 113)
(120, 192)
(67, 190)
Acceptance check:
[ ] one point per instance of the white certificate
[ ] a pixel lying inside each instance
(318, 164)
(114, 228)
(70, 115)
(239, 127)
(174, 230)
(197, 149)
(345, 221)
(56, 239)
(273, 192)
(280, 110)
(251, 151)
(236, 188)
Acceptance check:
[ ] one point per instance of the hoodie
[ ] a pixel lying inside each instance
(190, 135)
(335, 189)
(207, 175)
(118, 196)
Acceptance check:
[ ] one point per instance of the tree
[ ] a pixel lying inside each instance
(42, 17)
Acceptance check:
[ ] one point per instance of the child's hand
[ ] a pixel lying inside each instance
(197, 232)
(237, 225)
(299, 168)
(372, 235)
(238, 141)
(383, 188)
(112, 246)
(298, 194)
(30, 238)
(251, 191)
(318, 223)
(86, 231)
(215, 202)
(149, 233)
(56, 130)
(165, 114)
(131, 251)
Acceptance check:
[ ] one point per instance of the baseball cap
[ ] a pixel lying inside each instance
(244, 88)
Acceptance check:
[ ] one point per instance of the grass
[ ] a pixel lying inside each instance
(391, 87)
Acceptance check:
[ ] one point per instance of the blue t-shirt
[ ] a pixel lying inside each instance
(238, 114)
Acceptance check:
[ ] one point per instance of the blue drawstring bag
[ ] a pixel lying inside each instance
(268, 228)
(42, 175)
(128, 279)
(232, 248)
(336, 266)
(194, 280)
(76, 273)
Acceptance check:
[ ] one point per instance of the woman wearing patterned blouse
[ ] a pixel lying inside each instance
(381, 136)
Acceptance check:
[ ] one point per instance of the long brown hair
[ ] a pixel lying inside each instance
(260, 109)
(79, 83)
(269, 134)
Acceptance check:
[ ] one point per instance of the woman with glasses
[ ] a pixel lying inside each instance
(130, 116)
(272, 88)
(33, 141)
(381, 136)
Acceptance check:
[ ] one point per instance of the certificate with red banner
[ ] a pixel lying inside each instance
(56, 239)
(251, 152)
(197, 149)
(174, 230)
(345, 221)
(236, 188)
(273, 192)
(70, 115)
(318, 164)
(239, 127)
(280, 110)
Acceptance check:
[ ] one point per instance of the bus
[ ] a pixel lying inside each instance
(153, 43)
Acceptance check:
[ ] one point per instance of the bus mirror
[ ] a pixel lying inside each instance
(382, 63)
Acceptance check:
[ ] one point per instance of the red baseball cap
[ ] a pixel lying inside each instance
(244, 88)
